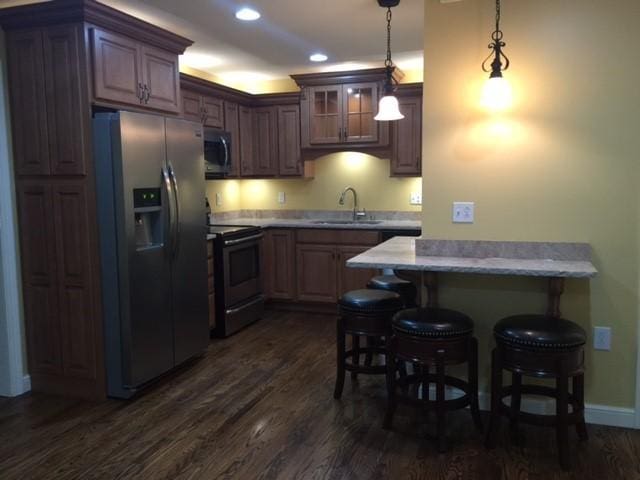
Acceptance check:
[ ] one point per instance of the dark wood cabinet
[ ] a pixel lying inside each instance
(280, 264)
(245, 120)
(161, 77)
(289, 153)
(324, 122)
(265, 154)
(204, 109)
(127, 71)
(28, 103)
(213, 112)
(232, 125)
(352, 278)
(317, 270)
(406, 154)
(359, 107)
(191, 106)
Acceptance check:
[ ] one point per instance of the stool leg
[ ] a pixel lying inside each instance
(440, 405)
(340, 361)
(371, 342)
(355, 359)
(473, 382)
(562, 416)
(578, 393)
(390, 361)
(516, 396)
(496, 388)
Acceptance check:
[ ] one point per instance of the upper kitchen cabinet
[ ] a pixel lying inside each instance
(204, 109)
(338, 109)
(131, 72)
(406, 152)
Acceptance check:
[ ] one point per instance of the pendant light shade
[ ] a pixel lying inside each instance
(388, 108)
(496, 93)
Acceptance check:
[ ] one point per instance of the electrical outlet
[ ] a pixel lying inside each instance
(218, 199)
(602, 338)
(463, 212)
(416, 198)
(282, 198)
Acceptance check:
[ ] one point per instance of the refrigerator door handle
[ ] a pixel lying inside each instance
(172, 216)
(176, 221)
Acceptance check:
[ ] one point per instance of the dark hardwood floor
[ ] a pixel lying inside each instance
(260, 405)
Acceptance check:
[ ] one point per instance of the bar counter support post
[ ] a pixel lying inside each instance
(556, 288)
(430, 281)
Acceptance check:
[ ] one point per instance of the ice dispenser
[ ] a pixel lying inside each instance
(147, 208)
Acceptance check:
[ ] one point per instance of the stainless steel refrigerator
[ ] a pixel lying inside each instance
(151, 210)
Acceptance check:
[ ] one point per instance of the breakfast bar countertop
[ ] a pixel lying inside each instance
(400, 253)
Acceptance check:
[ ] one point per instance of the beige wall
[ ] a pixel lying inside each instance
(562, 165)
(369, 175)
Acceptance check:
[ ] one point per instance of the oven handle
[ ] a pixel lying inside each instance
(228, 243)
(258, 299)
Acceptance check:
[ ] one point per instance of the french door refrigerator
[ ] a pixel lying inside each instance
(151, 210)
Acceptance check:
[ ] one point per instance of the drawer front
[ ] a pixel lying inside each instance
(338, 237)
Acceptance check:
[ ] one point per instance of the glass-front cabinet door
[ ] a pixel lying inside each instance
(325, 111)
(360, 106)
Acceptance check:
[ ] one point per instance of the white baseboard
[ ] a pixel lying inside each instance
(595, 414)
(26, 384)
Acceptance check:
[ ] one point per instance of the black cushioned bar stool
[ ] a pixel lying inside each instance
(433, 337)
(363, 313)
(406, 289)
(544, 347)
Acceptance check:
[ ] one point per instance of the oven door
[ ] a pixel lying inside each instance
(241, 259)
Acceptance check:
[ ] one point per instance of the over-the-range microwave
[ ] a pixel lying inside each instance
(217, 153)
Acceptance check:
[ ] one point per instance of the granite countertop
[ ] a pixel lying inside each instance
(312, 223)
(400, 253)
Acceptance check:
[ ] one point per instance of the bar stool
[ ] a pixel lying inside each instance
(363, 313)
(406, 289)
(440, 337)
(544, 347)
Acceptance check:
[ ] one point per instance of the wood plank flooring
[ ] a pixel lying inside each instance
(259, 406)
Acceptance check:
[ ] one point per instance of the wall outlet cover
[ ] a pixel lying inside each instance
(416, 198)
(602, 338)
(463, 212)
(218, 199)
(282, 198)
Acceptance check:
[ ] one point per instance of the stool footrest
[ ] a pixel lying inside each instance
(549, 420)
(451, 404)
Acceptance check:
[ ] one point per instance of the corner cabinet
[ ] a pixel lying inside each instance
(338, 109)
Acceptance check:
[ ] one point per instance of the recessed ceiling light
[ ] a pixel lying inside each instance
(247, 14)
(318, 57)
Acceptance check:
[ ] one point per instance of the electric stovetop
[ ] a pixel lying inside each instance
(233, 230)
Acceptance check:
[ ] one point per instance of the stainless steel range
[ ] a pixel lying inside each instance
(237, 277)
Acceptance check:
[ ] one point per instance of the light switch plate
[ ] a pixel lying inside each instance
(463, 212)
(602, 338)
(218, 199)
(282, 198)
(416, 198)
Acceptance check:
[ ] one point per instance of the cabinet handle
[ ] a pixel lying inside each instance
(147, 93)
(140, 93)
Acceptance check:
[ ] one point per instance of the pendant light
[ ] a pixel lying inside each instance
(388, 108)
(496, 93)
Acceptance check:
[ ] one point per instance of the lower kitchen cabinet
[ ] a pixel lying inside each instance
(211, 286)
(317, 271)
(352, 278)
(280, 264)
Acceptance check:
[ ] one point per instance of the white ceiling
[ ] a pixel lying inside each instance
(351, 32)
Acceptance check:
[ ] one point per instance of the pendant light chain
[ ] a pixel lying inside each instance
(388, 62)
(496, 66)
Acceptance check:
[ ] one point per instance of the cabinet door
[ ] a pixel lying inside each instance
(289, 154)
(316, 273)
(246, 141)
(232, 125)
(325, 115)
(266, 146)
(28, 105)
(161, 79)
(280, 264)
(213, 112)
(191, 106)
(39, 277)
(406, 154)
(67, 109)
(352, 278)
(74, 280)
(360, 105)
(116, 68)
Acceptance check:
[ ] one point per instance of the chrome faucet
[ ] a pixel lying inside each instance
(356, 213)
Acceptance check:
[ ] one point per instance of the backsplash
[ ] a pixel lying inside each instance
(219, 217)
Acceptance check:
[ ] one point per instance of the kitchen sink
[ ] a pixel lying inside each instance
(346, 222)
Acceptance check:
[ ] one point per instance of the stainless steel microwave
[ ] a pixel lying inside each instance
(217, 153)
